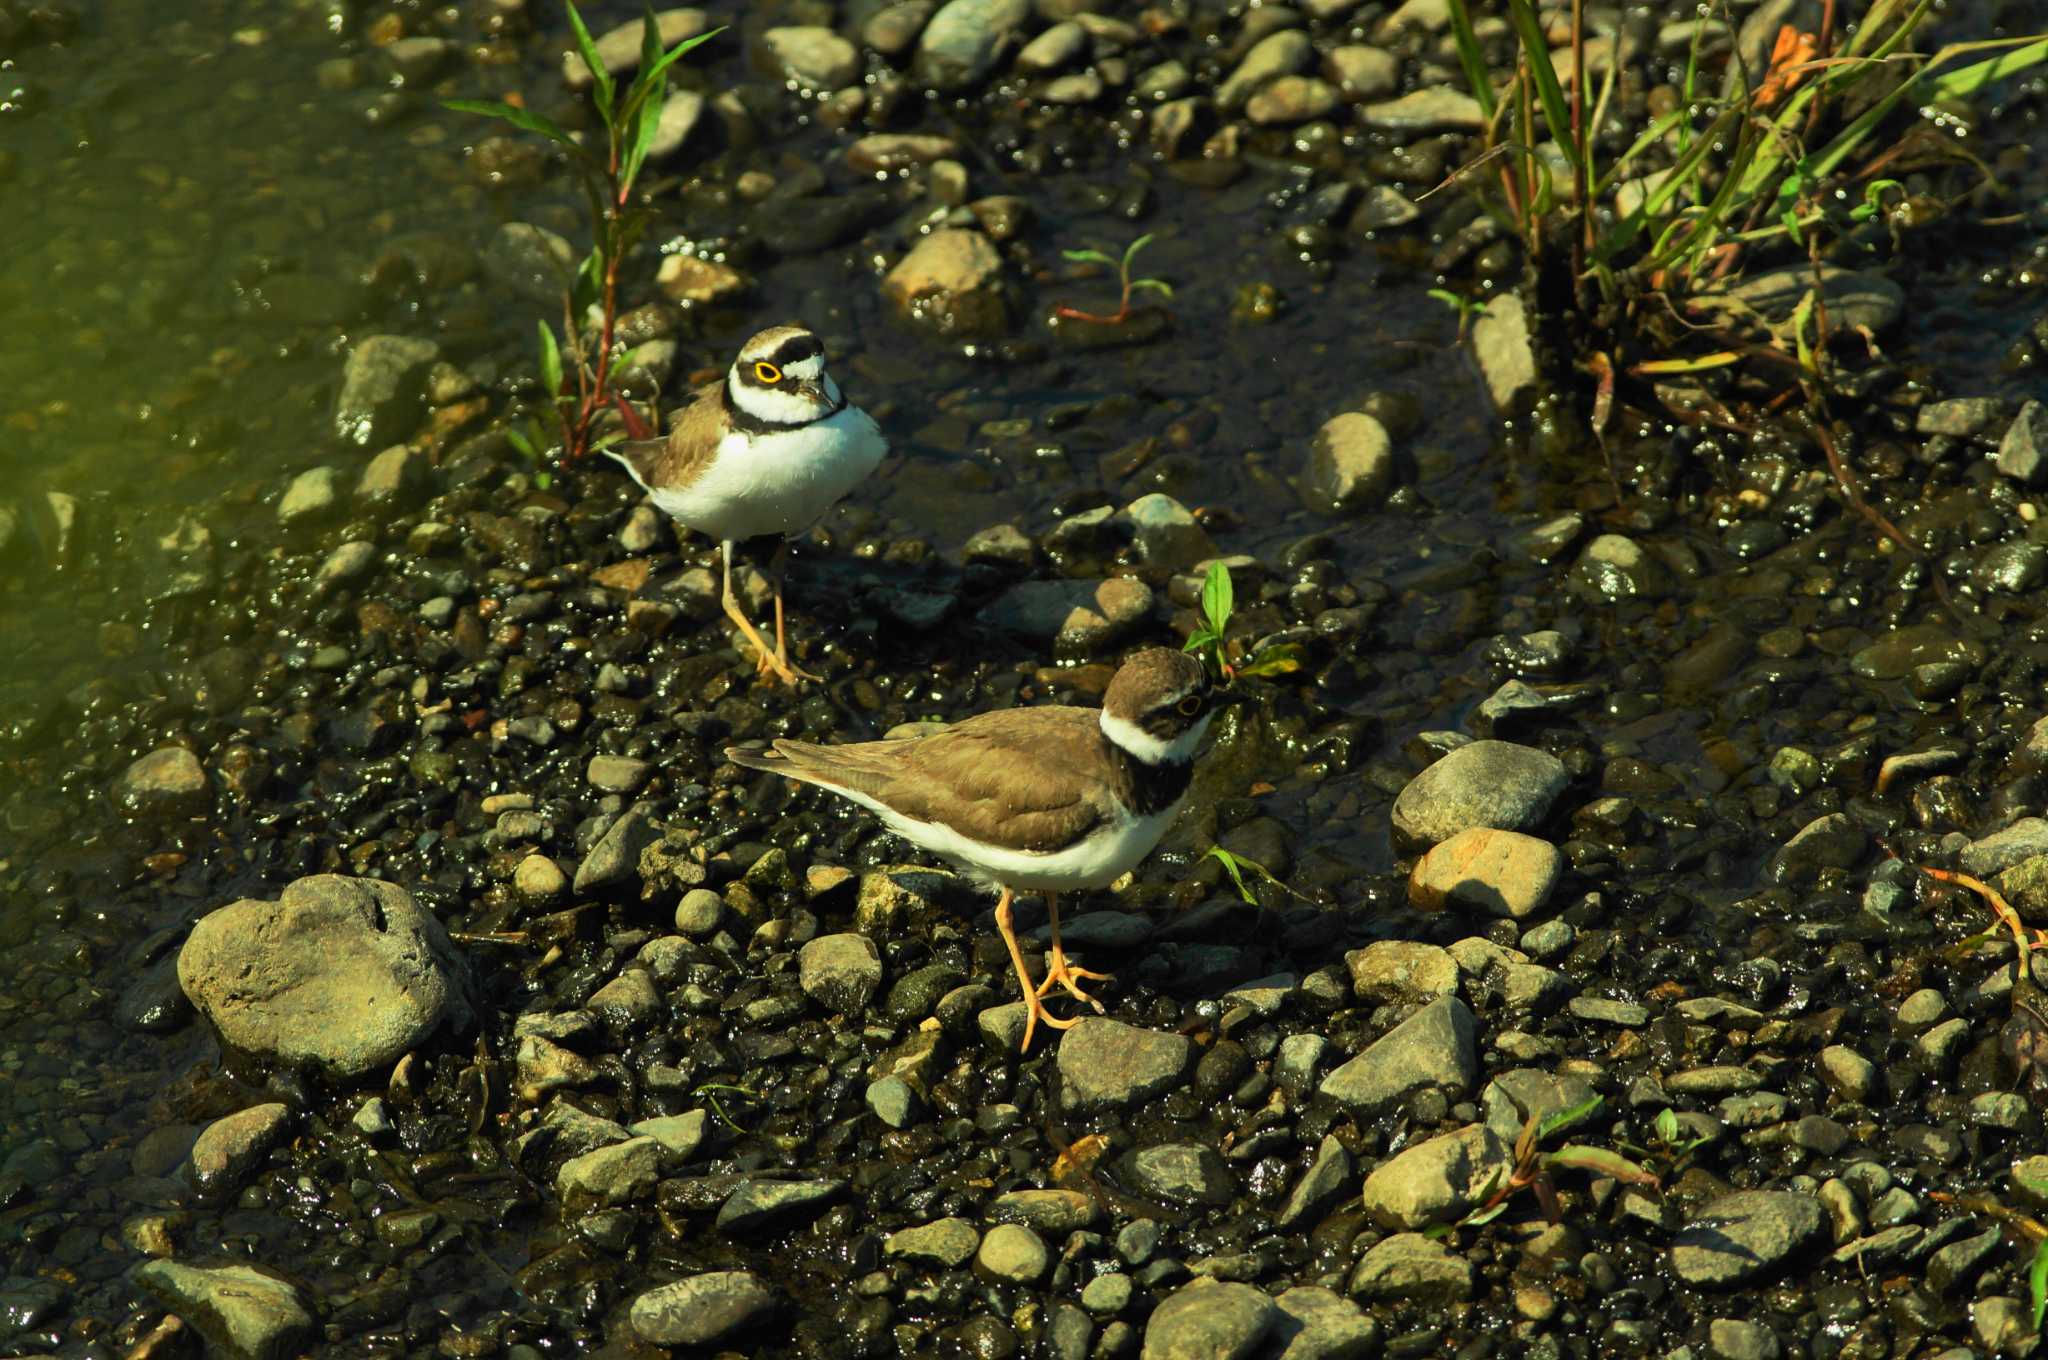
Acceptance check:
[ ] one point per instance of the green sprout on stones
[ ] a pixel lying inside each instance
(577, 372)
(1465, 307)
(1237, 866)
(1225, 655)
(1123, 274)
(709, 1091)
(1534, 1169)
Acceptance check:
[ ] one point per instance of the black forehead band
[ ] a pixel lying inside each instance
(795, 350)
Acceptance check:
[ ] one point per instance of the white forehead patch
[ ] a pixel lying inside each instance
(803, 370)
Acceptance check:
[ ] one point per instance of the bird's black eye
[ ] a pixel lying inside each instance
(1190, 706)
(767, 372)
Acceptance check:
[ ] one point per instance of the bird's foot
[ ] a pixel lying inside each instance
(1060, 973)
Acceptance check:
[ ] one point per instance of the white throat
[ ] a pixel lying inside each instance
(1147, 749)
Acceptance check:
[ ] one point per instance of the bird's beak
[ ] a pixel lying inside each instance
(814, 388)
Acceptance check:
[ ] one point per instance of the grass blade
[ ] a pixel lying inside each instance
(2037, 1283)
(1681, 173)
(1602, 1162)
(1131, 250)
(1529, 28)
(1088, 257)
(670, 57)
(550, 361)
(1217, 598)
(1471, 57)
(1559, 1120)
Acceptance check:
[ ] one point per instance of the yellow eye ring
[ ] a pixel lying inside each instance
(767, 372)
(1190, 706)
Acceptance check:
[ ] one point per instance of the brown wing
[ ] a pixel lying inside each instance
(680, 458)
(1022, 779)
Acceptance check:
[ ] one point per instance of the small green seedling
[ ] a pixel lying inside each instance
(1224, 655)
(1238, 865)
(1533, 1167)
(577, 373)
(709, 1091)
(1465, 307)
(1123, 274)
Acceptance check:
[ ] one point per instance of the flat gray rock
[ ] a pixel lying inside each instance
(1209, 1320)
(760, 1205)
(168, 780)
(1746, 1235)
(1320, 1324)
(703, 1309)
(230, 1147)
(616, 856)
(1104, 1064)
(1439, 1180)
(1413, 1267)
(1435, 1047)
(242, 1312)
(339, 974)
(1484, 783)
(840, 972)
(381, 400)
(963, 40)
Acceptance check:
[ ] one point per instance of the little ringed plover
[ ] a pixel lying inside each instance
(1053, 798)
(765, 450)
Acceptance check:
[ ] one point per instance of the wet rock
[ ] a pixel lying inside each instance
(1402, 970)
(1437, 1047)
(1052, 49)
(313, 496)
(1106, 1064)
(1350, 466)
(758, 1206)
(1164, 533)
(2023, 452)
(1172, 124)
(618, 50)
(1505, 346)
(813, 57)
(1209, 1320)
(1320, 1324)
(1364, 73)
(532, 261)
(1730, 1339)
(380, 401)
(889, 153)
(703, 283)
(394, 478)
(346, 565)
(1082, 87)
(962, 42)
(1013, 1253)
(2013, 568)
(341, 974)
(1746, 1235)
(1495, 784)
(230, 1148)
(840, 972)
(1049, 1211)
(702, 1309)
(893, 29)
(1412, 1267)
(682, 112)
(1853, 299)
(2001, 850)
(1849, 1072)
(1502, 872)
(680, 1135)
(167, 781)
(1962, 417)
(1833, 841)
(1325, 1181)
(1276, 55)
(243, 1312)
(1290, 100)
(1615, 568)
(616, 856)
(626, 1003)
(949, 1242)
(1439, 1180)
(1003, 545)
(893, 1101)
(419, 59)
(951, 282)
(617, 1174)
(1181, 1173)
(1073, 618)
(1438, 108)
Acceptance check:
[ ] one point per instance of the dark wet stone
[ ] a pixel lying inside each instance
(964, 39)
(2023, 451)
(381, 399)
(616, 856)
(947, 1242)
(1484, 783)
(952, 283)
(758, 1206)
(1963, 417)
(812, 56)
(1350, 466)
(1614, 568)
(894, 29)
(1278, 54)
(167, 781)
(1852, 298)
(1209, 1320)
(1437, 1047)
(342, 974)
(1074, 618)
(154, 1003)
(1012, 1252)
(792, 226)
(1437, 1180)
(230, 1148)
(1833, 841)
(1746, 1235)
(1413, 1267)
(1049, 1211)
(702, 1309)
(2001, 850)
(1953, 1267)
(2014, 568)
(1730, 1339)
(1104, 1064)
(242, 1311)
(1320, 1324)
(618, 1173)
(1438, 108)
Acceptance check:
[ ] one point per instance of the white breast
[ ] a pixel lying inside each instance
(778, 483)
(1107, 854)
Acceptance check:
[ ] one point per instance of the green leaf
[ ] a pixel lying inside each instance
(675, 53)
(586, 45)
(1131, 251)
(1282, 658)
(543, 479)
(1231, 866)
(589, 285)
(1480, 1217)
(516, 116)
(646, 123)
(1217, 598)
(550, 362)
(1667, 1125)
(1157, 285)
(1200, 638)
(1088, 257)
(1559, 1120)
(519, 441)
(1529, 28)
(2037, 1283)
(1602, 1162)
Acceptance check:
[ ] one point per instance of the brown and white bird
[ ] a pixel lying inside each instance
(1053, 798)
(765, 450)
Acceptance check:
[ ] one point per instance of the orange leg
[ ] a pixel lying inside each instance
(1058, 972)
(1034, 1008)
(768, 660)
(782, 637)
